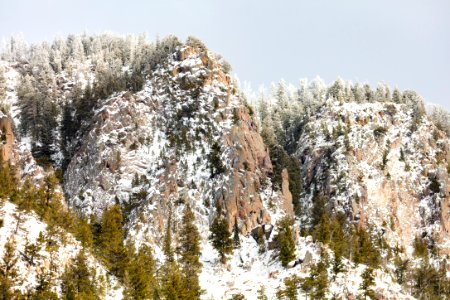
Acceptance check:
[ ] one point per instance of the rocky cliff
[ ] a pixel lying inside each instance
(6, 139)
(186, 137)
(380, 166)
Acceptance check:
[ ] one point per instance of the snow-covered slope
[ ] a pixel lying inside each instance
(188, 136)
(377, 164)
(55, 250)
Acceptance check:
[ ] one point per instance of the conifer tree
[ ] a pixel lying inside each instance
(8, 270)
(262, 294)
(368, 281)
(322, 230)
(338, 242)
(236, 239)
(401, 267)
(167, 246)
(43, 290)
(320, 275)
(215, 162)
(172, 285)
(420, 247)
(290, 290)
(7, 181)
(83, 233)
(285, 241)
(364, 249)
(32, 251)
(189, 251)
(316, 285)
(111, 246)
(221, 238)
(141, 273)
(78, 280)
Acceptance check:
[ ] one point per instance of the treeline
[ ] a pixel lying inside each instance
(284, 113)
(66, 79)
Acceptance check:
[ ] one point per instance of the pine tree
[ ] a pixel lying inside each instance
(32, 251)
(429, 283)
(43, 290)
(78, 280)
(8, 270)
(83, 233)
(262, 294)
(238, 296)
(322, 230)
(111, 246)
(290, 290)
(141, 273)
(396, 96)
(316, 285)
(364, 251)
(236, 239)
(285, 241)
(320, 274)
(8, 184)
(338, 243)
(172, 284)
(221, 238)
(215, 162)
(368, 281)
(189, 251)
(401, 268)
(167, 246)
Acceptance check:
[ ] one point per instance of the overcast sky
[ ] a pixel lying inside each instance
(405, 43)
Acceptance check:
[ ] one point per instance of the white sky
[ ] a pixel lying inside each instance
(405, 43)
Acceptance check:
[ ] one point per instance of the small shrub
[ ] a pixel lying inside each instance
(379, 131)
(390, 108)
(407, 167)
(420, 247)
(237, 297)
(134, 146)
(385, 160)
(226, 67)
(435, 187)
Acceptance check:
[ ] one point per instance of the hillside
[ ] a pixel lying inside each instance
(165, 183)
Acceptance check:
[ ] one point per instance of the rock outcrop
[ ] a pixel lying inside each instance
(287, 205)
(6, 139)
(167, 136)
(380, 172)
(251, 166)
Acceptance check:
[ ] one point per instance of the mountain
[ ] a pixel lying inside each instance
(163, 180)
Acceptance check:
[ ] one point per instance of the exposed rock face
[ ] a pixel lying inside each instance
(165, 135)
(288, 207)
(6, 139)
(250, 167)
(382, 173)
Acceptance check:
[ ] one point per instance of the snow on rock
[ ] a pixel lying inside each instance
(378, 170)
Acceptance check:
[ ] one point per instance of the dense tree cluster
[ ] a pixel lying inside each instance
(284, 114)
(136, 269)
(440, 118)
(67, 78)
